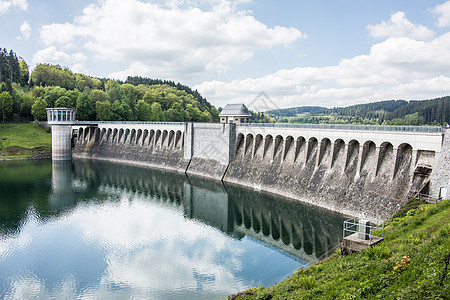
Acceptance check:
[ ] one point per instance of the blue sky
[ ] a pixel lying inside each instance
(327, 53)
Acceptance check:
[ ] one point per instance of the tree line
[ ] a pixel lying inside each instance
(26, 97)
(392, 112)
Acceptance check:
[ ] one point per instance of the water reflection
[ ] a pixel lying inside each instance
(107, 230)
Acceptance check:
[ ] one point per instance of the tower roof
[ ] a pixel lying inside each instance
(235, 109)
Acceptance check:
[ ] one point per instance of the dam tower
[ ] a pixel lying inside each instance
(61, 120)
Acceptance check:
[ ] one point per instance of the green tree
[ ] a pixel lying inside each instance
(53, 75)
(205, 117)
(157, 113)
(24, 72)
(6, 104)
(143, 111)
(85, 110)
(214, 114)
(128, 114)
(64, 101)
(131, 94)
(53, 93)
(103, 110)
(113, 89)
(98, 96)
(116, 111)
(192, 113)
(38, 109)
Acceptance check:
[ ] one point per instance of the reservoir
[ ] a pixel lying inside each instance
(92, 229)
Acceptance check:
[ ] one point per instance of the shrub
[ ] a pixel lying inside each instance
(377, 252)
(307, 282)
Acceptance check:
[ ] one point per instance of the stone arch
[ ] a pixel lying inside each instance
(278, 146)
(338, 158)
(80, 134)
(248, 144)
(133, 136)
(97, 135)
(126, 136)
(144, 136)
(103, 136)
(258, 146)
(368, 157)
(311, 154)
(108, 135)
(268, 142)
(239, 143)
(86, 134)
(115, 135)
(121, 132)
(151, 138)
(170, 141)
(325, 153)
(300, 146)
(138, 136)
(385, 158)
(403, 159)
(178, 137)
(288, 146)
(351, 161)
(164, 141)
(157, 137)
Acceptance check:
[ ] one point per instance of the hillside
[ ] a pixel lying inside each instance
(392, 112)
(136, 99)
(411, 263)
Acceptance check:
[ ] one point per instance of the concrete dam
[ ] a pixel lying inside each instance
(362, 171)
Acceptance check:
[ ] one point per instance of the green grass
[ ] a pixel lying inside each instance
(409, 264)
(23, 140)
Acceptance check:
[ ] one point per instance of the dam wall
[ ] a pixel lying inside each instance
(362, 171)
(369, 174)
(157, 145)
(210, 148)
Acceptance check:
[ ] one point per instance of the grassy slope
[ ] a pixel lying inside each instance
(408, 264)
(22, 141)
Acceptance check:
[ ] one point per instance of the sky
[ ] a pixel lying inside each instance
(266, 54)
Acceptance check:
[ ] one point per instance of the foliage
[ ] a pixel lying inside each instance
(103, 110)
(411, 263)
(38, 109)
(294, 111)
(12, 69)
(393, 112)
(6, 104)
(60, 87)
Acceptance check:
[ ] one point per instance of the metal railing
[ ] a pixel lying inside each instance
(127, 122)
(427, 198)
(364, 230)
(427, 129)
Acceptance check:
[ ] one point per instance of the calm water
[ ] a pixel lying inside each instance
(100, 230)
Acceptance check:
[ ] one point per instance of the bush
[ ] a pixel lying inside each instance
(377, 252)
(307, 282)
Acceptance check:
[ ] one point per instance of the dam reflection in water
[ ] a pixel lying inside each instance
(115, 230)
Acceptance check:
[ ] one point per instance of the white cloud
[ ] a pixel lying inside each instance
(395, 68)
(58, 34)
(400, 26)
(168, 40)
(443, 10)
(6, 5)
(25, 30)
(51, 55)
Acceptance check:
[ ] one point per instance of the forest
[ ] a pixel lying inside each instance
(391, 112)
(25, 96)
